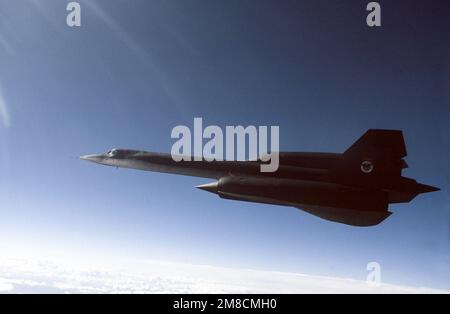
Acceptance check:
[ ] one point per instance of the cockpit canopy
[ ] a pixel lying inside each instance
(113, 153)
(122, 153)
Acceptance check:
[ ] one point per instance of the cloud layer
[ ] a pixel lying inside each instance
(43, 276)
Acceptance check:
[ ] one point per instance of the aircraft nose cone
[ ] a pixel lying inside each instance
(208, 187)
(93, 158)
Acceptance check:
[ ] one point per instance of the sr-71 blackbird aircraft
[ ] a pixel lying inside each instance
(353, 188)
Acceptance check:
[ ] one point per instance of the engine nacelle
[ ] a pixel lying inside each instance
(295, 192)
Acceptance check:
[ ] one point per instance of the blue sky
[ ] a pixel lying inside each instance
(133, 71)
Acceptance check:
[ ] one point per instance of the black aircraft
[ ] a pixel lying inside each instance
(353, 188)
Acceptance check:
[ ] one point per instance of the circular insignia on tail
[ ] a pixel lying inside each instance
(366, 166)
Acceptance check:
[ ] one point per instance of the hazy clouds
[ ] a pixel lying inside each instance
(43, 276)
